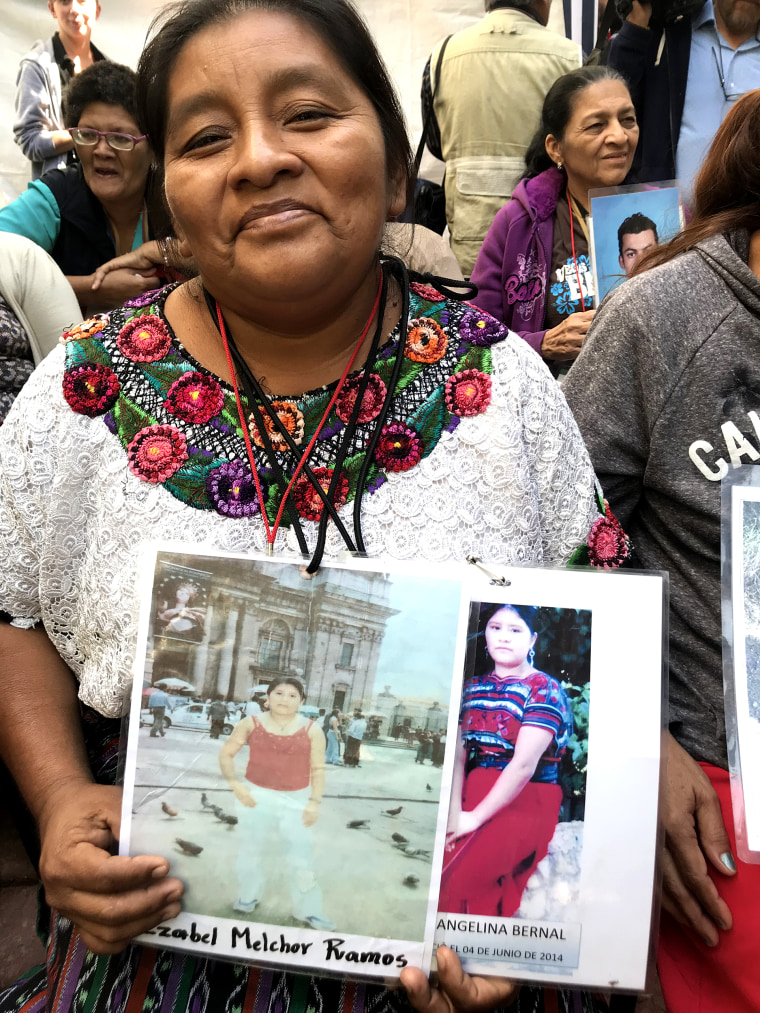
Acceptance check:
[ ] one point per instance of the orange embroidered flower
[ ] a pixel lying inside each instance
(425, 341)
(291, 419)
(93, 325)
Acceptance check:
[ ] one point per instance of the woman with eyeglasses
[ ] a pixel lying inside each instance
(88, 213)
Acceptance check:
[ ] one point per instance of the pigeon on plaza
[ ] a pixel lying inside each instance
(225, 817)
(393, 812)
(399, 839)
(188, 847)
(428, 788)
(205, 802)
(415, 852)
(356, 824)
(168, 809)
(410, 881)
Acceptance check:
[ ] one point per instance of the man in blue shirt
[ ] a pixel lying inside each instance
(684, 76)
(158, 702)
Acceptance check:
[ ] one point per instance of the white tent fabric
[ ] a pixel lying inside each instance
(406, 31)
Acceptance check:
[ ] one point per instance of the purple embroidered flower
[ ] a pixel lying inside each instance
(468, 393)
(426, 291)
(232, 490)
(195, 398)
(399, 447)
(91, 388)
(156, 452)
(480, 329)
(372, 401)
(144, 339)
(142, 300)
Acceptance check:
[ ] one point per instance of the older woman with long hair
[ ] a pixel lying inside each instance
(667, 392)
(301, 395)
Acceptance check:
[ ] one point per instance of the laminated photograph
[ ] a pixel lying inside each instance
(741, 651)
(549, 865)
(286, 752)
(625, 223)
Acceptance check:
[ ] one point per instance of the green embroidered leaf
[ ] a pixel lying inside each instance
(130, 419)
(87, 350)
(161, 375)
(189, 483)
(580, 557)
(476, 358)
(429, 421)
(312, 415)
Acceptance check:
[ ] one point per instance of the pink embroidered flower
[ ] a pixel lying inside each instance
(91, 388)
(425, 341)
(291, 418)
(93, 325)
(480, 329)
(194, 397)
(399, 447)
(156, 452)
(145, 299)
(308, 501)
(608, 544)
(232, 490)
(468, 393)
(144, 339)
(426, 291)
(372, 401)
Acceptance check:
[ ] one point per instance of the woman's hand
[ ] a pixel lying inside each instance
(563, 342)
(466, 823)
(456, 990)
(145, 258)
(310, 815)
(694, 836)
(110, 898)
(118, 286)
(243, 795)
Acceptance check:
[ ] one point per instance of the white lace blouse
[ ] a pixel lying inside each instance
(512, 484)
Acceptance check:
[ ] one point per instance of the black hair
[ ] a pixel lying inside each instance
(287, 680)
(530, 615)
(104, 81)
(558, 108)
(633, 225)
(336, 22)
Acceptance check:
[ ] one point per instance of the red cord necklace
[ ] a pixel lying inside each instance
(572, 244)
(271, 530)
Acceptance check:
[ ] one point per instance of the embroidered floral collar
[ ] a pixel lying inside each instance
(179, 426)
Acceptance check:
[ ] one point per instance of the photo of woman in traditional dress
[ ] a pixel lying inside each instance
(278, 798)
(514, 726)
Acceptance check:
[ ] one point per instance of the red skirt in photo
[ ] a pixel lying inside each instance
(486, 872)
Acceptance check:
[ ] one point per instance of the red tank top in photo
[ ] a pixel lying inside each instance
(279, 762)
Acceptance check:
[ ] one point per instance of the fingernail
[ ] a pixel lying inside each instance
(173, 897)
(171, 912)
(728, 860)
(722, 925)
(708, 942)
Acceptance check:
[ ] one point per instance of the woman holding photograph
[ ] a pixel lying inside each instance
(302, 395)
(514, 728)
(533, 269)
(281, 793)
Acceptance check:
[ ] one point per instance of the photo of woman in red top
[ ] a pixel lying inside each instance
(278, 798)
(513, 729)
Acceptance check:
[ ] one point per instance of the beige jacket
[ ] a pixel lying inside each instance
(494, 78)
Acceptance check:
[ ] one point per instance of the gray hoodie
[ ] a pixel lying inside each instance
(38, 108)
(666, 393)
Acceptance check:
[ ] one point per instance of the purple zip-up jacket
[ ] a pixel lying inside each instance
(512, 269)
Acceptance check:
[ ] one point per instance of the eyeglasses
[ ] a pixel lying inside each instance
(729, 96)
(115, 139)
